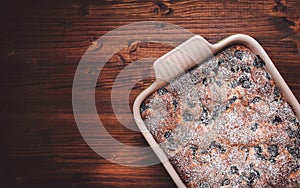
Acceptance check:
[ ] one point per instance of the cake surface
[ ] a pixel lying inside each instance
(224, 123)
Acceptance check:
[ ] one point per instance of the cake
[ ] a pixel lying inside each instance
(224, 123)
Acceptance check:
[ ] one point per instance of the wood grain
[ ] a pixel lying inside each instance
(41, 45)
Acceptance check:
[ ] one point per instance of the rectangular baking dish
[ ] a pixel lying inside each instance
(194, 51)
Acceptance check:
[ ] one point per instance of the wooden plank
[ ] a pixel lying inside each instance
(41, 46)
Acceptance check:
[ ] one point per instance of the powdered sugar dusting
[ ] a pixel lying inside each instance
(225, 123)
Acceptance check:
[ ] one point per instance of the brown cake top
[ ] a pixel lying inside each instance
(225, 123)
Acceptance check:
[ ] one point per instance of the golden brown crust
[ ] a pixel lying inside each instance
(225, 124)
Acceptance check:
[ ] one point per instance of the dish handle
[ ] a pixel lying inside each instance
(191, 52)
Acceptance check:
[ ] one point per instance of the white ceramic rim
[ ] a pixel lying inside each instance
(198, 43)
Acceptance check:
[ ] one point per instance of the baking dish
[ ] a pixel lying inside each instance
(188, 54)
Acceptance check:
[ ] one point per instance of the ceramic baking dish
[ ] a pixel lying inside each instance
(194, 51)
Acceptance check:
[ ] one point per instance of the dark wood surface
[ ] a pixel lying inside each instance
(41, 45)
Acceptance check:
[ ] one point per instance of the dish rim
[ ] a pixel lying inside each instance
(160, 66)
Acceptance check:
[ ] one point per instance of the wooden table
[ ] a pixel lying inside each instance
(41, 45)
